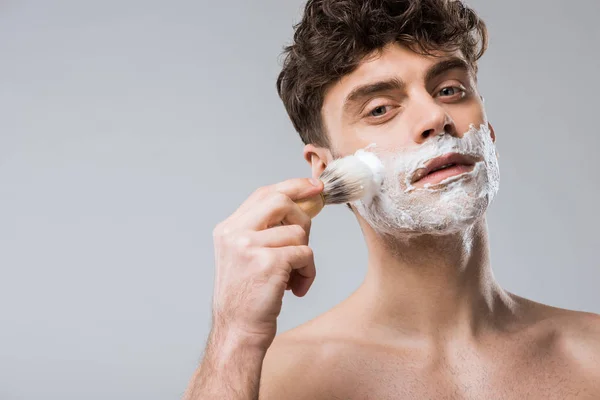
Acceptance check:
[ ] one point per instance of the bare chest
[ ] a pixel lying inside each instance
(383, 378)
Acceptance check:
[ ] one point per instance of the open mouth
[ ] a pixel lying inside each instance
(444, 167)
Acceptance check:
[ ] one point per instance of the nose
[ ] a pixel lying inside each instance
(431, 120)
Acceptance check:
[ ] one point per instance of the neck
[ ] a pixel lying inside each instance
(433, 286)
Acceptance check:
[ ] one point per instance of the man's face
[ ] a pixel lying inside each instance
(417, 113)
(399, 99)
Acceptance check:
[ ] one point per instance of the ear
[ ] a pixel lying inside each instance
(493, 134)
(317, 158)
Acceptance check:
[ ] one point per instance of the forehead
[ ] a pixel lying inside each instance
(392, 61)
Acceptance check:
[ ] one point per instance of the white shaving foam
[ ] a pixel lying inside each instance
(376, 167)
(399, 208)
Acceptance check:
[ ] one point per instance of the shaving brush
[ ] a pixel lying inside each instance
(347, 179)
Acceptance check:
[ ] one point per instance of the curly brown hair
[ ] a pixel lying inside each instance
(335, 35)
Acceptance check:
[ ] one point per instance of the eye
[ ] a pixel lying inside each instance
(378, 111)
(451, 91)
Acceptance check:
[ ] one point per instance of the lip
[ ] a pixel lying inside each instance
(462, 163)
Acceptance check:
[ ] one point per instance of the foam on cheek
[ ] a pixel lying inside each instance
(376, 167)
(400, 207)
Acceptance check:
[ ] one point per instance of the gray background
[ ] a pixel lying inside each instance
(128, 129)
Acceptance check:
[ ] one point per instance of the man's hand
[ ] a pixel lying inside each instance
(260, 251)
(257, 258)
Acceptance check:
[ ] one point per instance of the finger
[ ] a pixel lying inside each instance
(275, 208)
(301, 260)
(299, 188)
(301, 279)
(295, 189)
(296, 257)
(281, 236)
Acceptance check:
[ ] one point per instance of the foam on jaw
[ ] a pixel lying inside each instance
(377, 169)
(400, 207)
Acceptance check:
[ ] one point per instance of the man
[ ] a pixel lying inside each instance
(397, 78)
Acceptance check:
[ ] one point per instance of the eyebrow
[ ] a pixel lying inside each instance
(369, 89)
(445, 66)
(388, 85)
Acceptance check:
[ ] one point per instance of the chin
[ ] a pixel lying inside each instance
(438, 213)
(445, 226)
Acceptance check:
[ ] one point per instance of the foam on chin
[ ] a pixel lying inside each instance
(400, 208)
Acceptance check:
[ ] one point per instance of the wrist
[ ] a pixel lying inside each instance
(227, 344)
(230, 369)
(232, 333)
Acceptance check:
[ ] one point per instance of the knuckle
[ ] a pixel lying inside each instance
(223, 229)
(242, 242)
(266, 260)
(299, 231)
(283, 273)
(280, 200)
(308, 252)
(218, 231)
(260, 192)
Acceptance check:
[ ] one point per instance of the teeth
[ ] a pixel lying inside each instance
(442, 167)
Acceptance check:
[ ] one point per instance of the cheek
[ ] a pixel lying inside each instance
(390, 136)
(353, 138)
(463, 116)
(350, 145)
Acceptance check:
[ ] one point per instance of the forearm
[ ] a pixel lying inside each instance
(230, 370)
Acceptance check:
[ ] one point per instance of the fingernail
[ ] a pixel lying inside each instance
(314, 181)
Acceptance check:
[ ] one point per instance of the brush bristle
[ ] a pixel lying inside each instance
(346, 179)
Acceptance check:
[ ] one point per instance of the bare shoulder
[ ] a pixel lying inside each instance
(580, 333)
(574, 337)
(301, 365)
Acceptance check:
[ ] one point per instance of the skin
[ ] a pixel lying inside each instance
(428, 322)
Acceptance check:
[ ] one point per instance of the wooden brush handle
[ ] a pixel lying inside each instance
(312, 205)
